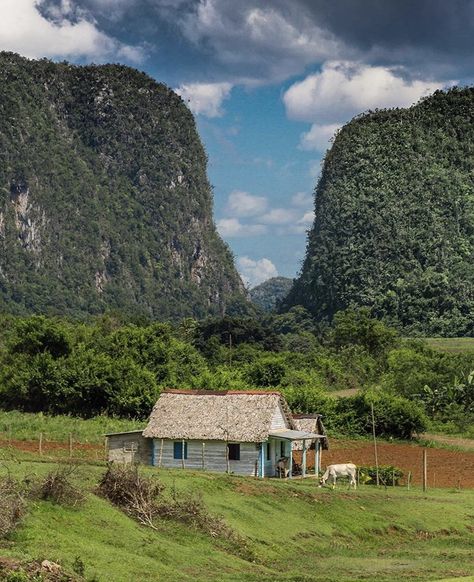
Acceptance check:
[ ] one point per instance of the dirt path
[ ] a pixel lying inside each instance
(445, 468)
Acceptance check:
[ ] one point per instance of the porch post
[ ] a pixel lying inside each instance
(304, 458)
(262, 460)
(290, 472)
(317, 458)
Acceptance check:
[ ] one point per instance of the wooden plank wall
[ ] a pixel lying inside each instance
(214, 456)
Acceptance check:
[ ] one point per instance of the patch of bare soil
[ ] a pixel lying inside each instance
(446, 468)
(55, 448)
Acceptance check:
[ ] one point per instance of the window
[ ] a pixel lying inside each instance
(130, 447)
(178, 450)
(268, 455)
(282, 448)
(233, 451)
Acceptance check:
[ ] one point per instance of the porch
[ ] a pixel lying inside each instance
(276, 455)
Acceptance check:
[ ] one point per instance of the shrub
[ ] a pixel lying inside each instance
(57, 487)
(388, 475)
(12, 505)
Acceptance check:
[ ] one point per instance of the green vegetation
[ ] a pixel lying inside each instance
(294, 531)
(269, 294)
(110, 369)
(394, 227)
(454, 345)
(25, 426)
(104, 199)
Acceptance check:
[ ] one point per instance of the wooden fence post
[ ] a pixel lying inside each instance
(70, 445)
(40, 446)
(425, 470)
(375, 445)
(408, 480)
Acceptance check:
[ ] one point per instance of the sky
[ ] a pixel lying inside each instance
(270, 82)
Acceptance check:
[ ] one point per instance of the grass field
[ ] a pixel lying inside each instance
(452, 344)
(27, 426)
(295, 531)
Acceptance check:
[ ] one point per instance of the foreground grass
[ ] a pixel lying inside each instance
(27, 426)
(296, 532)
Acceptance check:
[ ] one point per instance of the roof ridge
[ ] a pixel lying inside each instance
(221, 392)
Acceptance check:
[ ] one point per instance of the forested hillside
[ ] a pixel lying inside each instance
(394, 226)
(270, 293)
(104, 199)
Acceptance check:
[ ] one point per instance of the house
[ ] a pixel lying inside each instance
(241, 432)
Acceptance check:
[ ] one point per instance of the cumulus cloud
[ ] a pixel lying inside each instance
(279, 216)
(256, 272)
(318, 137)
(257, 41)
(67, 32)
(244, 204)
(342, 89)
(233, 228)
(205, 98)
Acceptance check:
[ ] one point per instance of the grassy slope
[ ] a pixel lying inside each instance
(452, 344)
(26, 426)
(296, 531)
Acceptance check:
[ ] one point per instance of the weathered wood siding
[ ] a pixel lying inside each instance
(214, 453)
(278, 419)
(120, 449)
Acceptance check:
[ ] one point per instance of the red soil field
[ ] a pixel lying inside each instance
(446, 468)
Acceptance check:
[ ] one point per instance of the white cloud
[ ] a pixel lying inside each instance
(318, 137)
(244, 204)
(205, 98)
(302, 199)
(232, 228)
(343, 89)
(279, 216)
(307, 219)
(23, 29)
(256, 272)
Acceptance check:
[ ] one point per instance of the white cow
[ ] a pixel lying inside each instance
(342, 470)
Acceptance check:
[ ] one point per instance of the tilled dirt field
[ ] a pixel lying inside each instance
(446, 468)
(56, 449)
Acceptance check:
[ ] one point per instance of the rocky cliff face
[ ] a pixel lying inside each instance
(104, 198)
(394, 226)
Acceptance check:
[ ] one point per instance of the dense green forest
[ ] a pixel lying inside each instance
(394, 226)
(104, 199)
(107, 367)
(268, 295)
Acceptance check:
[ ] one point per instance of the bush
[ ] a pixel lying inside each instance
(388, 475)
(57, 487)
(12, 505)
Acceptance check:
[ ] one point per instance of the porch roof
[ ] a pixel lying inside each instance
(295, 435)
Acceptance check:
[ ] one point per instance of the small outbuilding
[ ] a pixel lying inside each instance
(242, 432)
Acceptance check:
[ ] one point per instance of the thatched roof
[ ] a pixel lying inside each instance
(310, 423)
(243, 416)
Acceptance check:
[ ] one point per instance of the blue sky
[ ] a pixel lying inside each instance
(270, 82)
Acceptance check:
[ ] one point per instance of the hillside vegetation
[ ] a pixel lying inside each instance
(104, 199)
(286, 531)
(394, 225)
(107, 367)
(269, 294)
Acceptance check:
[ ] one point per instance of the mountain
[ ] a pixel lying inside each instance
(104, 199)
(268, 294)
(394, 226)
